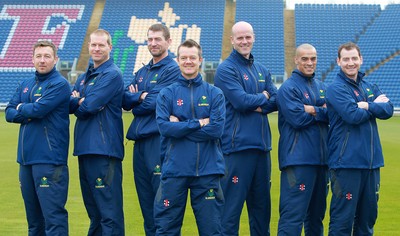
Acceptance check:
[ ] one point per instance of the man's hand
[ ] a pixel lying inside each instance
(266, 94)
(204, 122)
(363, 105)
(381, 99)
(143, 96)
(310, 110)
(76, 94)
(133, 88)
(173, 118)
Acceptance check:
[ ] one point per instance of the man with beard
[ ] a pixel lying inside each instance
(140, 97)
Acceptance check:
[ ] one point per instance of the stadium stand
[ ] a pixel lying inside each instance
(130, 19)
(326, 26)
(23, 23)
(377, 32)
(266, 18)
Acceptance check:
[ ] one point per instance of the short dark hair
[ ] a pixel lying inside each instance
(189, 43)
(160, 27)
(103, 32)
(45, 43)
(349, 46)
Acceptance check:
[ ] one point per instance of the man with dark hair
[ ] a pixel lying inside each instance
(40, 105)
(96, 102)
(191, 117)
(140, 96)
(355, 151)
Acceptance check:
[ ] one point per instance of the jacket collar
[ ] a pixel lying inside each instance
(241, 59)
(360, 76)
(101, 68)
(188, 82)
(42, 77)
(161, 63)
(297, 74)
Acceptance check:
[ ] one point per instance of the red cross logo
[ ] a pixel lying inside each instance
(349, 196)
(245, 77)
(306, 95)
(140, 79)
(26, 89)
(179, 102)
(166, 203)
(302, 187)
(235, 179)
(356, 93)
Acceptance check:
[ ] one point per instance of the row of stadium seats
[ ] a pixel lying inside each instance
(376, 31)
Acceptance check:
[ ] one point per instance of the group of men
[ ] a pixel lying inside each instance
(212, 140)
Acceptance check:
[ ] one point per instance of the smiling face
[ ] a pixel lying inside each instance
(243, 38)
(99, 48)
(44, 59)
(189, 61)
(350, 62)
(306, 59)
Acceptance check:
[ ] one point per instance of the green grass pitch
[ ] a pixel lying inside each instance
(12, 214)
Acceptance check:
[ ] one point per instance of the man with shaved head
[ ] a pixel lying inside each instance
(303, 128)
(246, 141)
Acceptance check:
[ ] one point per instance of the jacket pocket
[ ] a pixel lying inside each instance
(344, 145)
(294, 142)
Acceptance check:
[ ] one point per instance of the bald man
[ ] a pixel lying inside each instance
(246, 142)
(303, 128)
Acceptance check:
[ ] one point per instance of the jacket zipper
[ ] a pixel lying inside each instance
(194, 116)
(262, 116)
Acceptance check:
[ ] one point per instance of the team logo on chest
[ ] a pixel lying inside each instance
(321, 93)
(356, 93)
(203, 102)
(26, 89)
(369, 92)
(260, 78)
(154, 79)
(93, 81)
(38, 92)
(179, 102)
(306, 95)
(245, 77)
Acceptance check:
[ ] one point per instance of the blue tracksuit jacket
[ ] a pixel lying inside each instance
(353, 139)
(44, 118)
(303, 137)
(191, 150)
(243, 81)
(99, 128)
(148, 80)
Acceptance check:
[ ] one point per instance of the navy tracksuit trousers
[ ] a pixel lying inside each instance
(44, 189)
